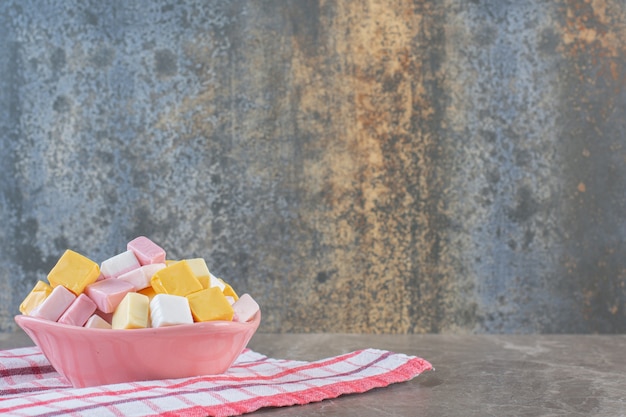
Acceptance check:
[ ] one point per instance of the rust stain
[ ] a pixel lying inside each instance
(363, 166)
(589, 31)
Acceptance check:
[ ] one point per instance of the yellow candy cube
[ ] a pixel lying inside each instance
(210, 304)
(228, 290)
(205, 281)
(200, 270)
(132, 312)
(74, 271)
(149, 292)
(198, 267)
(176, 279)
(40, 292)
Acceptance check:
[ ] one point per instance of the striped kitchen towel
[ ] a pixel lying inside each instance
(29, 386)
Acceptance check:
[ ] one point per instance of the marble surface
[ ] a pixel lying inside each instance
(475, 375)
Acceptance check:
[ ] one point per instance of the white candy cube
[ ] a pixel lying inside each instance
(169, 310)
(140, 277)
(119, 264)
(215, 282)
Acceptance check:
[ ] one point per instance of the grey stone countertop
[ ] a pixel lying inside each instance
(475, 375)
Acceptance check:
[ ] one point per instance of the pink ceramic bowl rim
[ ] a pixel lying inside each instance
(216, 325)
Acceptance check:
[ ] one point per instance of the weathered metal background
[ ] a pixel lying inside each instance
(357, 166)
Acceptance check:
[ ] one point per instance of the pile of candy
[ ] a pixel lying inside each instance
(135, 289)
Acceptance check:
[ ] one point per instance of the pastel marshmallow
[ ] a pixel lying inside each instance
(55, 304)
(146, 251)
(245, 308)
(37, 295)
(140, 277)
(79, 311)
(108, 293)
(97, 322)
(169, 310)
(132, 312)
(73, 271)
(119, 264)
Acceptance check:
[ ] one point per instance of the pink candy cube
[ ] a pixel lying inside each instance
(245, 308)
(79, 311)
(108, 293)
(146, 251)
(55, 304)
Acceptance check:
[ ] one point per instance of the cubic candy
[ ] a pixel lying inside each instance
(228, 291)
(169, 310)
(135, 289)
(40, 292)
(176, 279)
(245, 308)
(74, 271)
(140, 278)
(146, 251)
(132, 313)
(97, 322)
(55, 304)
(210, 304)
(119, 264)
(148, 291)
(79, 311)
(108, 293)
(201, 271)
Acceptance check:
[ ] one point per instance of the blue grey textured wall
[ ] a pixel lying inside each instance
(356, 166)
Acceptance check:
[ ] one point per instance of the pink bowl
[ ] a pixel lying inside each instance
(88, 357)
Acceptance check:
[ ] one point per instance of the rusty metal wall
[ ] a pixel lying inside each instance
(357, 166)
